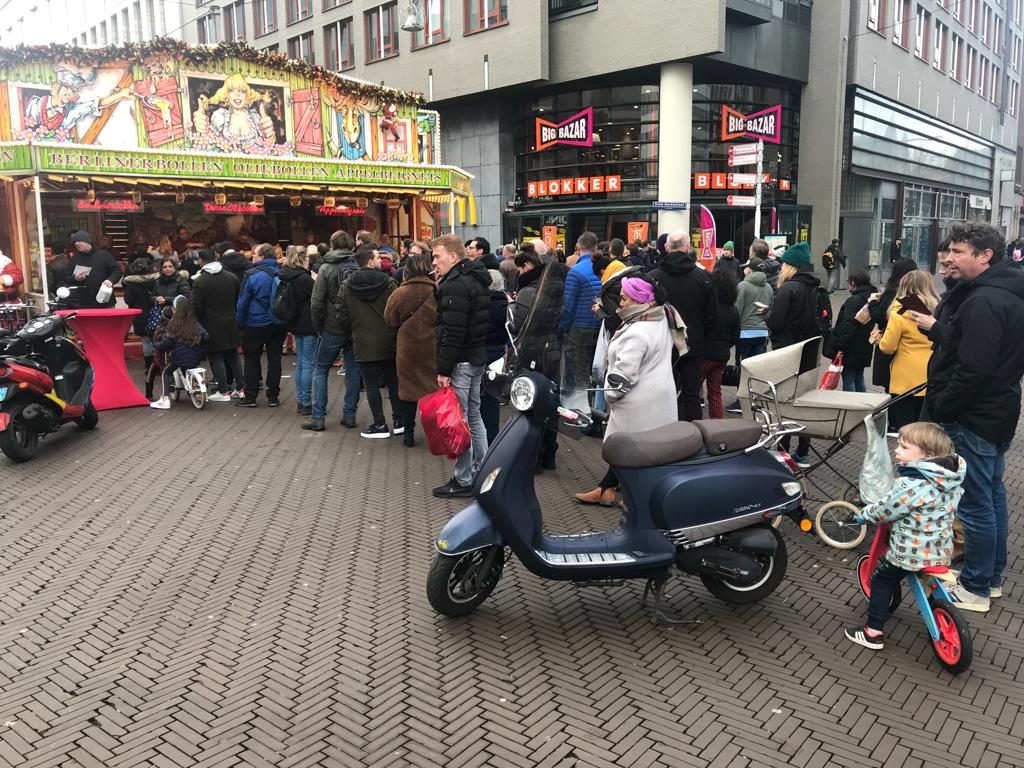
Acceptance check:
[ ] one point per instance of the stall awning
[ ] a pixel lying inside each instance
(157, 166)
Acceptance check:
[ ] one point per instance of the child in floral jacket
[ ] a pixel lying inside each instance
(920, 507)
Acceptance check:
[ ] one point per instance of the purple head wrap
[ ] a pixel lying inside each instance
(638, 290)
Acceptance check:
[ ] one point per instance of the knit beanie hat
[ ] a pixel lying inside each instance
(81, 236)
(798, 255)
(728, 246)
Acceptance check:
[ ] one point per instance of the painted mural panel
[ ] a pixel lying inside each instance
(224, 99)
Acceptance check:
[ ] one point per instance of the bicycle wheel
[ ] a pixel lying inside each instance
(836, 527)
(197, 392)
(954, 649)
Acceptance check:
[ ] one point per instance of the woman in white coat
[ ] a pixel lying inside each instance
(641, 353)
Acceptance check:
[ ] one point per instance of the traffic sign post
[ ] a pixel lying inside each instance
(741, 180)
(742, 201)
(745, 154)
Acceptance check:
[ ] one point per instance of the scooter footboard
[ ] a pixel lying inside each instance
(757, 539)
(471, 528)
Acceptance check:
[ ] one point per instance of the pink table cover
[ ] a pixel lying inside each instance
(102, 332)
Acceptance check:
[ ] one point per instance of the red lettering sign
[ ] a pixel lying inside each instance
(574, 186)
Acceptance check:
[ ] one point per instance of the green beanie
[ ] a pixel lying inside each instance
(798, 255)
(728, 246)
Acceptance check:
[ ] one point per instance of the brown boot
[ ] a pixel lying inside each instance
(603, 496)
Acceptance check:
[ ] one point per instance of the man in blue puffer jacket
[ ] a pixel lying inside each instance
(579, 325)
(260, 328)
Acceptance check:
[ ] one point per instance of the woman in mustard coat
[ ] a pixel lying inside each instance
(910, 348)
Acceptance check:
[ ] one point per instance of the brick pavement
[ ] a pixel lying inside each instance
(222, 589)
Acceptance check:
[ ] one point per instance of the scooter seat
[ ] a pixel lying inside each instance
(664, 445)
(728, 435)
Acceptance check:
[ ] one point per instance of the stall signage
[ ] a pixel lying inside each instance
(329, 210)
(118, 204)
(735, 181)
(81, 159)
(575, 131)
(233, 208)
(574, 186)
(15, 158)
(763, 125)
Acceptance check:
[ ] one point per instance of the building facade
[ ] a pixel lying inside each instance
(89, 24)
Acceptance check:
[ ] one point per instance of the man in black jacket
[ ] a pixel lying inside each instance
(88, 270)
(215, 297)
(463, 318)
(478, 249)
(974, 391)
(690, 291)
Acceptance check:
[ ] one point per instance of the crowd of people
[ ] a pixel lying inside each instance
(644, 327)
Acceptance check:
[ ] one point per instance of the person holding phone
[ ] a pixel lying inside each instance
(852, 332)
(910, 348)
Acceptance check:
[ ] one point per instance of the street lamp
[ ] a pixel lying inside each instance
(413, 19)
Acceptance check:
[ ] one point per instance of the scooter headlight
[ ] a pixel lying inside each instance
(792, 488)
(523, 393)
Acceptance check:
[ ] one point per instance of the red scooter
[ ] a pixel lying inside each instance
(46, 381)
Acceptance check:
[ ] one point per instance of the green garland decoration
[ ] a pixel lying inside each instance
(137, 53)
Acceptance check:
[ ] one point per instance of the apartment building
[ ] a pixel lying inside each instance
(93, 23)
(913, 115)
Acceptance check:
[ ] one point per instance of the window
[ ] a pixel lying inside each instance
(986, 25)
(900, 23)
(1015, 53)
(876, 11)
(484, 14)
(972, 15)
(234, 21)
(435, 24)
(939, 56)
(207, 29)
(921, 33)
(329, 4)
(266, 16)
(103, 33)
(137, 20)
(955, 7)
(969, 70)
(338, 48)
(301, 48)
(955, 58)
(115, 36)
(1014, 97)
(151, 16)
(556, 7)
(298, 10)
(126, 27)
(993, 85)
(381, 32)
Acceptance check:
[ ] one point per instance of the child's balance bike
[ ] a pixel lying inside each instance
(949, 631)
(193, 383)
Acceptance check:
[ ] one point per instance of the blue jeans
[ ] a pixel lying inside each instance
(326, 353)
(750, 348)
(466, 380)
(853, 380)
(982, 510)
(305, 358)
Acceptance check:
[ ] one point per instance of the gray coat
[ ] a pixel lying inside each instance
(753, 288)
(641, 351)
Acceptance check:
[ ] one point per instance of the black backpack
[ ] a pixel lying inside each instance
(284, 306)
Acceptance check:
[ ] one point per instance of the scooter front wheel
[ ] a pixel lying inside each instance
(19, 441)
(772, 574)
(456, 584)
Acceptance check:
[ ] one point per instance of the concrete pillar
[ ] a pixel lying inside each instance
(675, 135)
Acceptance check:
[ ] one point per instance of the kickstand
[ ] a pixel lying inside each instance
(656, 586)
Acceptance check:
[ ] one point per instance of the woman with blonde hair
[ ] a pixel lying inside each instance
(164, 249)
(911, 349)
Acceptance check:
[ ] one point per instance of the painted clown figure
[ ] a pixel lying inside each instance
(56, 115)
(11, 279)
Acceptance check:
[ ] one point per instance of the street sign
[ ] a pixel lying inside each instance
(660, 205)
(739, 179)
(744, 154)
(742, 201)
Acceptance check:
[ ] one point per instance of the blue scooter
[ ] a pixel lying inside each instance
(699, 496)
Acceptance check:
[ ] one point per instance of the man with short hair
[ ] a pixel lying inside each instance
(385, 245)
(463, 320)
(361, 306)
(337, 265)
(579, 325)
(690, 291)
(88, 270)
(215, 297)
(728, 262)
(363, 237)
(974, 391)
(508, 268)
(260, 329)
(479, 249)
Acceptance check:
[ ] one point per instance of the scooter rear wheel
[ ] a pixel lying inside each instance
(89, 418)
(19, 441)
(954, 649)
(455, 584)
(744, 594)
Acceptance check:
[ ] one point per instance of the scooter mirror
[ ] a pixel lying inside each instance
(63, 292)
(619, 383)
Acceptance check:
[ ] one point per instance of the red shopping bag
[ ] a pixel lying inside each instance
(444, 423)
(833, 377)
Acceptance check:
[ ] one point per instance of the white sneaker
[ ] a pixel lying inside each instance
(966, 600)
(995, 592)
(219, 397)
(953, 575)
(163, 404)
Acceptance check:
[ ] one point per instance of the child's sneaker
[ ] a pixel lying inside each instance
(804, 462)
(966, 600)
(859, 635)
(163, 404)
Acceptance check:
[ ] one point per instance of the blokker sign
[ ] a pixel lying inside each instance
(575, 131)
(575, 186)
